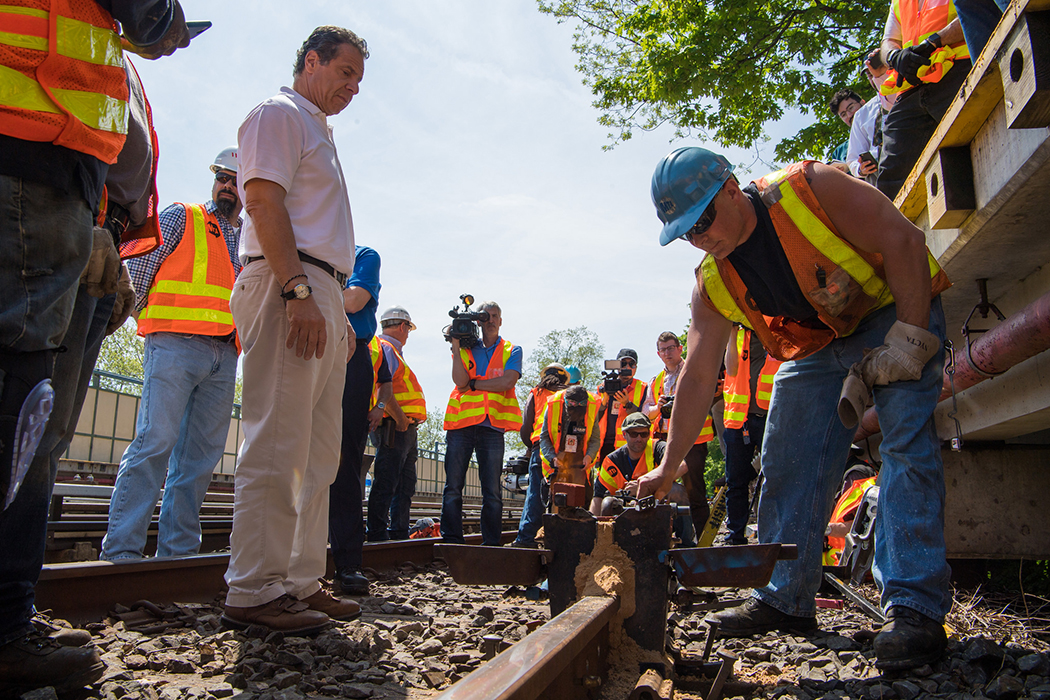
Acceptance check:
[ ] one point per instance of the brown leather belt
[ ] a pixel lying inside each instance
(340, 277)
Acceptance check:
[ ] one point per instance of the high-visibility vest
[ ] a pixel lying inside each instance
(540, 397)
(847, 504)
(842, 283)
(62, 76)
(737, 390)
(467, 408)
(554, 411)
(636, 395)
(661, 424)
(919, 19)
(613, 479)
(407, 393)
(375, 352)
(191, 291)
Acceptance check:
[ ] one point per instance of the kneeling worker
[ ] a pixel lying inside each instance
(822, 268)
(570, 437)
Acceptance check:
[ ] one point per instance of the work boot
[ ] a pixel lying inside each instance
(755, 617)
(525, 545)
(908, 639)
(284, 614)
(352, 582)
(335, 608)
(66, 636)
(37, 661)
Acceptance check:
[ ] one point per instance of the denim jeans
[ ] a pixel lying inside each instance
(740, 453)
(346, 524)
(804, 456)
(24, 525)
(487, 443)
(183, 421)
(532, 511)
(979, 19)
(393, 485)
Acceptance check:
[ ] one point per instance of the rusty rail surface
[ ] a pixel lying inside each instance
(561, 660)
(86, 591)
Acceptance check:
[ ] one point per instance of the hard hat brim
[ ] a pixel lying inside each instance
(216, 168)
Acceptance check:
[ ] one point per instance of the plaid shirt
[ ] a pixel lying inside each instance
(172, 225)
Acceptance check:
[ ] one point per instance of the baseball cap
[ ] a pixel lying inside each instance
(635, 421)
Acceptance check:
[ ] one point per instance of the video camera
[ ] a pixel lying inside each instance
(612, 381)
(665, 410)
(464, 326)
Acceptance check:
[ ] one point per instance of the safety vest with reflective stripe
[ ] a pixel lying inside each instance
(467, 408)
(661, 424)
(376, 355)
(191, 290)
(613, 479)
(842, 283)
(847, 504)
(540, 397)
(636, 394)
(407, 393)
(554, 410)
(919, 19)
(62, 76)
(737, 391)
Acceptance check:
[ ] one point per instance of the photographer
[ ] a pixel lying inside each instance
(621, 396)
(657, 407)
(481, 408)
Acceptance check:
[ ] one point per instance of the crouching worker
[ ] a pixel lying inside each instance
(570, 439)
(822, 268)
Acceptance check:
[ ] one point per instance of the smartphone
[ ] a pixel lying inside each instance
(197, 28)
(875, 60)
(868, 158)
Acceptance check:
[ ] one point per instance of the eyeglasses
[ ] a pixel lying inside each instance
(669, 348)
(223, 178)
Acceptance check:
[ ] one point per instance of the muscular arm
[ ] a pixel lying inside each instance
(868, 220)
(354, 299)
(264, 202)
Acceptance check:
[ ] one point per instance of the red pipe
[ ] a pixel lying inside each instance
(1019, 337)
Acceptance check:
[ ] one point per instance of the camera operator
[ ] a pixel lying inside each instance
(481, 408)
(617, 404)
(657, 408)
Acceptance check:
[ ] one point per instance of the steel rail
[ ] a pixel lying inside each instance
(563, 659)
(83, 592)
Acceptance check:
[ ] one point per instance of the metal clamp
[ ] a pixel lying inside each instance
(957, 441)
(982, 307)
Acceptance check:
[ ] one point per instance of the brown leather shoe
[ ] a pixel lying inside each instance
(335, 608)
(285, 614)
(36, 661)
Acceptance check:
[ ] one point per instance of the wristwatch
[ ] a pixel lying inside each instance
(299, 291)
(380, 405)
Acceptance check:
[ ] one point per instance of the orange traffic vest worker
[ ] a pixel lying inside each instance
(583, 439)
(467, 407)
(190, 293)
(707, 434)
(407, 392)
(737, 390)
(845, 511)
(919, 19)
(375, 356)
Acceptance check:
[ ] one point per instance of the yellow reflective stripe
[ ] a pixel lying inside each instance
(86, 42)
(21, 92)
(175, 313)
(830, 245)
(736, 398)
(24, 41)
(204, 290)
(95, 110)
(200, 248)
(27, 11)
(718, 293)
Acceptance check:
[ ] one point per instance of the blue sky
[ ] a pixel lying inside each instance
(474, 161)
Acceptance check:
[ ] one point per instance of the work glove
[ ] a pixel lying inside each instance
(176, 37)
(103, 268)
(907, 62)
(125, 302)
(905, 351)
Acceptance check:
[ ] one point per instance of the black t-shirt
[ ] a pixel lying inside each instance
(764, 269)
(621, 458)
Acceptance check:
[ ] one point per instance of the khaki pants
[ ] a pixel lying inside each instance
(292, 413)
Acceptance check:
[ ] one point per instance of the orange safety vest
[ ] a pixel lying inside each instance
(637, 396)
(406, 388)
(661, 424)
(62, 72)
(554, 410)
(737, 390)
(847, 505)
(611, 477)
(540, 397)
(376, 353)
(919, 19)
(191, 291)
(467, 408)
(842, 283)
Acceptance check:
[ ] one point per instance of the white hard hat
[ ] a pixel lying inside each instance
(397, 313)
(226, 160)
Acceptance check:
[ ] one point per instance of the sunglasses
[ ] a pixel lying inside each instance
(628, 363)
(224, 178)
(702, 224)
(637, 433)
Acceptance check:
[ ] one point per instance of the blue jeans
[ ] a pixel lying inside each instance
(487, 443)
(740, 452)
(393, 485)
(803, 459)
(183, 421)
(978, 19)
(532, 511)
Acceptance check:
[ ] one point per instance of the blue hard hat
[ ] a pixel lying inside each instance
(684, 183)
(575, 376)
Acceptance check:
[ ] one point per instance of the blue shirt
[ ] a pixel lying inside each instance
(366, 276)
(482, 355)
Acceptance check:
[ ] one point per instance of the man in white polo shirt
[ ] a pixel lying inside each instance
(297, 248)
